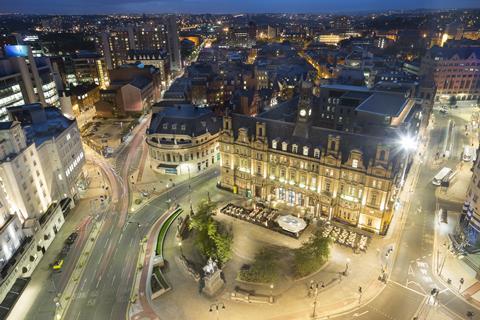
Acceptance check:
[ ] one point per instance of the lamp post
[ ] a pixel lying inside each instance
(345, 273)
(314, 285)
(271, 292)
(408, 144)
(216, 307)
(180, 246)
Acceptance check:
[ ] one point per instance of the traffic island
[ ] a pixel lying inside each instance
(159, 284)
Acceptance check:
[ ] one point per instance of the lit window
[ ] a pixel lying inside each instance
(274, 144)
(294, 148)
(355, 163)
(305, 151)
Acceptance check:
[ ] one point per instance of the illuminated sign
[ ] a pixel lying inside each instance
(16, 51)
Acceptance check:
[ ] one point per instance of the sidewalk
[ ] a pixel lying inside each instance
(341, 294)
(36, 302)
(146, 184)
(449, 267)
(457, 190)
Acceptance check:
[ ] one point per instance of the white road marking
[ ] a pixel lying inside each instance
(98, 282)
(113, 280)
(410, 270)
(360, 314)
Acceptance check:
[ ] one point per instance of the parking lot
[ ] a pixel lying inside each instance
(102, 134)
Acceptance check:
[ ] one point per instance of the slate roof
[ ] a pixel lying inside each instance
(448, 53)
(318, 138)
(140, 82)
(196, 121)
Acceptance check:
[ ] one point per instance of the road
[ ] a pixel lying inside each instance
(407, 293)
(104, 290)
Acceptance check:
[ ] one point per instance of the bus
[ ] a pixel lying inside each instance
(467, 154)
(443, 175)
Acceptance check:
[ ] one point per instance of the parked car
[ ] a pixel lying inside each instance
(71, 238)
(58, 265)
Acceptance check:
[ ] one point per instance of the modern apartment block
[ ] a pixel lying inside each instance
(115, 44)
(59, 147)
(41, 159)
(173, 42)
(25, 79)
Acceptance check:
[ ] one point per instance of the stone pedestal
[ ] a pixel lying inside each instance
(213, 283)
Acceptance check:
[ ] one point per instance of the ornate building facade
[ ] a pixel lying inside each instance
(348, 177)
(183, 139)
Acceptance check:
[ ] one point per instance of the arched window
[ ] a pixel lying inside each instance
(382, 155)
(332, 145)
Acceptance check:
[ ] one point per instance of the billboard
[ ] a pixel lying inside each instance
(16, 51)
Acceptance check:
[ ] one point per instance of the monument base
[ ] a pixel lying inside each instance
(213, 283)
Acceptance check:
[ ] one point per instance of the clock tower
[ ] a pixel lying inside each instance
(304, 110)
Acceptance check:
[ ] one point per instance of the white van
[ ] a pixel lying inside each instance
(444, 175)
(467, 153)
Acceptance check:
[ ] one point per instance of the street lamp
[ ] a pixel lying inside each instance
(271, 291)
(180, 246)
(216, 307)
(314, 285)
(345, 273)
(408, 143)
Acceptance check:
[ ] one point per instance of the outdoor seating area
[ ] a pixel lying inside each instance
(345, 237)
(259, 214)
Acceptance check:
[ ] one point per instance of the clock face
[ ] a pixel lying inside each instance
(303, 112)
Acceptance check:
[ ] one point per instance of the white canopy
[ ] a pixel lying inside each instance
(291, 223)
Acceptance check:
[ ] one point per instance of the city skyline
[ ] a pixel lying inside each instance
(222, 6)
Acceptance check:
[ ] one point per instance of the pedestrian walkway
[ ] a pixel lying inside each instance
(450, 269)
(457, 189)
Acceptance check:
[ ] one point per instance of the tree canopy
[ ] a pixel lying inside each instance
(212, 238)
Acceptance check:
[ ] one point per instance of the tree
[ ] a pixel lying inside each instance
(452, 100)
(311, 255)
(264, 269)
(212, 239)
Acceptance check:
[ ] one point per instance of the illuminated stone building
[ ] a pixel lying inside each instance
(345, 176)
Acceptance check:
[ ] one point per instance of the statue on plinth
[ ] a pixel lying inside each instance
(212, 277)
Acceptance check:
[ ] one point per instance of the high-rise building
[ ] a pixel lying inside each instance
(25, 79)
(149, 37)
(58, 144)
(173, 42)
(40, 157)
(24, 186)
(116, 43)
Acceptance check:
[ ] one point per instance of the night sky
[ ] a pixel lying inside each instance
(221, 6)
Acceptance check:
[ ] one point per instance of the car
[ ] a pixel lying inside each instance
(443, 111)
(71, 238)
(58, 265)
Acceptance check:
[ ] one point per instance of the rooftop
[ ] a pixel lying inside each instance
(40, 124)
(383, 103)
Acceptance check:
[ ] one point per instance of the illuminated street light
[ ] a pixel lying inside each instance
(216, 307)
(407, 143)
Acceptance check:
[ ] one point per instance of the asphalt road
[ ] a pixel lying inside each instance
(407, 294)
(104, 290)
